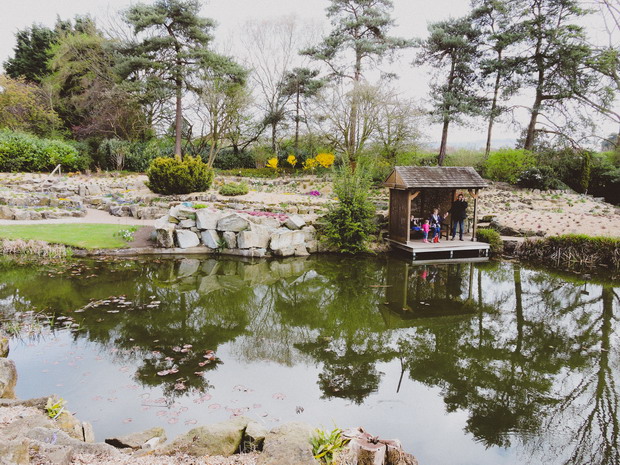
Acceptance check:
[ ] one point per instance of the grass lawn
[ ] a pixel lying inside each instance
(85, 236)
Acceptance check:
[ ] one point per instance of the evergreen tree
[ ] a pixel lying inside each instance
(452, 47)
(32, 52)
(174, 46)
(301, 84)
(359, 35)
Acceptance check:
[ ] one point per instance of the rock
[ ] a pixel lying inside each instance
(210, 238)
(182, 212)
(61, 438)
(20, 427)
(138, 440)
(186, 239)
(288, 444)
(219, 439)
(94, 189)
(233, 222)
(58, 455)
(231, 239)
(254, 437)
(309, 233)
(257, 236)
(89, 433)
(6, 213)
(294, 222)
(14, 452)
(133, 211)
(8, 378)
(268, 221)
(153, 443)
(283, 238)
(312, 246)
(292, 209)
(35, 215)
(187, 224)
(4, 345)
(285, 251)
(165, 233)
(70, 425)
(301, 251)
(207, 219)
(19, 214)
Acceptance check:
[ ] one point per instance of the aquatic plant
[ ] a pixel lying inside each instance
(325, 444)
(55, 406)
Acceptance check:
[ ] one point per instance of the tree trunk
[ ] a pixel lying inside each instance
(492, 115)
(297, 111)
(531, 128)
(444, 142)
(178, 119)
(357, 76)
(273, 137)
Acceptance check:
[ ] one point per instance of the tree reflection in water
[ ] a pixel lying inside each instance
(532, 357)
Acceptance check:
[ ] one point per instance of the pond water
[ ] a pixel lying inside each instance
(487, 363)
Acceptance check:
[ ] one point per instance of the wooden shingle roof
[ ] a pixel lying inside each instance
(434, 177)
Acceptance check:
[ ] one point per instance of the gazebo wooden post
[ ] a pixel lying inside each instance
(475, 226)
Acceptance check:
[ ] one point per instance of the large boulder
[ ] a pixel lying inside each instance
(207, 218)
(285, 239)
(4, 344)
(8, 378)
(294, 222)
(164, 231)
(58, 437)
(232, 222)
(231, 239)
(218, 439)
(288, 444)
(6, 213)
(14, 452)
(257, 236)
(138, 440)
(186, 239)
(210, 238)
(182, 212)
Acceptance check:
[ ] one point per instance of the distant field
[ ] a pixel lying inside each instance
(85, 236)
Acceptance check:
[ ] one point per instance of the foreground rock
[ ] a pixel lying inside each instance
(288, 444)
(149, 439)
(8, 378)
(219, 439)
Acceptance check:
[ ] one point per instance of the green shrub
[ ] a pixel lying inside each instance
(25, 152)
(491, 237)
(234, 188)
(542, 177)
(508, 165)
(179, 176)
(228, 160)
(327, 443)
(349, 223)
(465, 157)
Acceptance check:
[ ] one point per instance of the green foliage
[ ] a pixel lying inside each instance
(586, 165)
(325, 444)
(416, 158)
(55, 406)
(543, 177)
(349, 223)
(465, 157)
(508, 164)
(179, 176)
(127, 234)
(31, 53)
(574, 251)
(492, 237)
(234, 188)
(24, 152)
(228, 160)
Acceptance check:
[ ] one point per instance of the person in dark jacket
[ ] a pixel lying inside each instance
(459, 213)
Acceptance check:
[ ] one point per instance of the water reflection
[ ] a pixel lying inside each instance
(531, 357)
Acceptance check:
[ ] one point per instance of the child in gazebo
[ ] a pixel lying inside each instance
(435, 221)
(426, 227)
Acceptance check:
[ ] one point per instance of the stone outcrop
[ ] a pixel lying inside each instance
(8, 378)
(152, 437)
(218, 439)
(288, 444)
(241, 233)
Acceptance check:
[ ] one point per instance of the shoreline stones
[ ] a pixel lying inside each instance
(236, 232)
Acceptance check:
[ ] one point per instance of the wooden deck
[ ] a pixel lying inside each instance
(446, 250)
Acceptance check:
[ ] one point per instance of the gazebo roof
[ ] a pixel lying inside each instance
(434, 177)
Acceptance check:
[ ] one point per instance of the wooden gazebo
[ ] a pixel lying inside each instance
(417, 190)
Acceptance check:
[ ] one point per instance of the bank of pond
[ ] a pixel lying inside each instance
(504, 362)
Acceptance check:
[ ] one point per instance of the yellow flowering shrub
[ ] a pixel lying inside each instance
(325, 159)
(272, 163)
(292, 160)
(310, 164)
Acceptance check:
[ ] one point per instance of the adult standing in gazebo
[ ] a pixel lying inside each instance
(458, 210)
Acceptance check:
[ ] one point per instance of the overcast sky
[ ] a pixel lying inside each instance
(412, 17)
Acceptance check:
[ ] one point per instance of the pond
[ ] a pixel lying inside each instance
(486, 363)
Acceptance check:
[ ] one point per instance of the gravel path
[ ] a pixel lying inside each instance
(92, 217)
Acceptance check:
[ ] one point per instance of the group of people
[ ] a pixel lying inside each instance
(458, 210)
